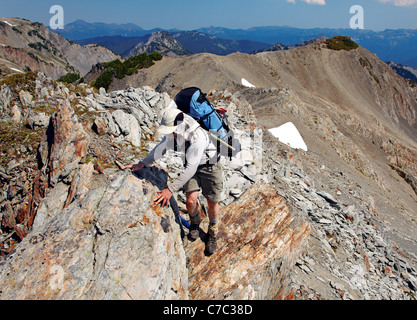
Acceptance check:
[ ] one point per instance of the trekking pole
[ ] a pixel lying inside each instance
(221, 141)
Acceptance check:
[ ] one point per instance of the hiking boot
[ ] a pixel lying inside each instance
(194, 227)
(194, 232)
(211, 244)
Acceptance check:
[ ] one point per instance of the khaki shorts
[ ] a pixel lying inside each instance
(209, 179)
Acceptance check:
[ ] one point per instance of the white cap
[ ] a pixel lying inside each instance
(170, 121)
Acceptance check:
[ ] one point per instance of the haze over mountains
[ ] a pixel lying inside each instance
(399, 46)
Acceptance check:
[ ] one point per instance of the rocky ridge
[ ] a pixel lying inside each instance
(62, 215)
(279, 46)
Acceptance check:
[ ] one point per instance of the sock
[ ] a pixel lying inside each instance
(213, 229)
(213, 221)
(195, 218)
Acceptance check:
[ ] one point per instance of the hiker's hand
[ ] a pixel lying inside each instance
(135, 167)
(164, 197)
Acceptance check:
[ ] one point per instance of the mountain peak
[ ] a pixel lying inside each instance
(162, 42)
(32, 46)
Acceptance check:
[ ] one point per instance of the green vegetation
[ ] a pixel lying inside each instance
(16, 30)
(119, 70)
(21, 81)
(38, 46)
(69, 78)
(46, 45)
(13, 135)
(36, 33)
(341, 43)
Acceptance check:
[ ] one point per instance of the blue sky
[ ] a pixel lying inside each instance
(193, 14)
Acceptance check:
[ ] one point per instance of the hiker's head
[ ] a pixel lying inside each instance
(170, 121)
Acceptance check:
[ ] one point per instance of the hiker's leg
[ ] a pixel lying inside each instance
(212, 186)
(192, 208)
(192, 202)
(213, 212)
(213, 229)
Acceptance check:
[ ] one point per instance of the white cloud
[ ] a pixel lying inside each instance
(402, 3)
(320, 2)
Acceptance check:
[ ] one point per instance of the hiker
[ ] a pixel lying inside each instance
(202, 170)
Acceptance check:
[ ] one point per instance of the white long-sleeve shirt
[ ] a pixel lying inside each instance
(200, 151)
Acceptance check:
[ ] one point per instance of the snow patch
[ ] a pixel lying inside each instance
(17, 70)
(288, 134)
(6, 22)
(246, 83)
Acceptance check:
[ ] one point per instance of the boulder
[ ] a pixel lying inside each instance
(102, 92)
(15, 113)
(99, 126)
(112, 244)
(25, 98)
(40, 120)
(258, 244)
(129, 126)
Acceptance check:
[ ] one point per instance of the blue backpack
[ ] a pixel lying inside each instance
(193, 102)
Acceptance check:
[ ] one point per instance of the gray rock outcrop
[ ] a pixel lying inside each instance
(113, 244)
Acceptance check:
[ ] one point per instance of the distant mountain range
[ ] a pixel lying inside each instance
(404, 71)
(175, 43)
(390, 45)
(81, 29)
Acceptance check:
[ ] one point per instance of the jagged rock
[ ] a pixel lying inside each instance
(135, 100)
(3, 174)
(15, 114)
(129, 127)
(93, 104)
(40, 120)
(99, 126)
(51, 205)
(113, 244)
(329, 198)
(80, 183)
(8, 218)
(102, 91)
(68, 143)
(111, 126)
(25, 98)
(258, 244)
